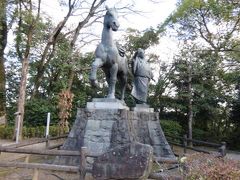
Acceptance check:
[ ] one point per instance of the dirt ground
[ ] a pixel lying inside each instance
(24, 174)
(27, 174)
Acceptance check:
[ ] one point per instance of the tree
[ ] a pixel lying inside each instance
(135, 39)
(212, 26)
(26, 21)
(49, 49)
(3, 42)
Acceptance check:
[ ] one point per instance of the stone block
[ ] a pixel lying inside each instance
(93, 125)
(131, 161)
(97, 148)
(97, 136)
(163, 151)
(107, 125)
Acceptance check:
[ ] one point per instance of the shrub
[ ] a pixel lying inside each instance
(233, 139)
(35, 112)
(171, 127)
(6, 132)
(200, 134)
(29, 132)
(210, 167)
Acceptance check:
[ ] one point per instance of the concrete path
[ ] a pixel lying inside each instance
(233, 155)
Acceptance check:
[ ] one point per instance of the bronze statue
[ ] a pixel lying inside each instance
(142, 75)
(109, 57)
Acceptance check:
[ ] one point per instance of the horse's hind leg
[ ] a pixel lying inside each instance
(123, 84)
(93, 74)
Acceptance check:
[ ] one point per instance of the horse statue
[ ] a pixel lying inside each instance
(110, 57)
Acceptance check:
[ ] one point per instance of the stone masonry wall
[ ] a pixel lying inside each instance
(102, 129)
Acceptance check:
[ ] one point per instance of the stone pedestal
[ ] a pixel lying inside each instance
(100, 129)
(106, 103)
(142, 108)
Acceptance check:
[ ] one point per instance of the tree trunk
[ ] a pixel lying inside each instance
(22, 95)
(190, 108)
(3, 41)
(70, 79)
(24, 72)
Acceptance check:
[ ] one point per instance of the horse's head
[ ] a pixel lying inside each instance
(111, 19)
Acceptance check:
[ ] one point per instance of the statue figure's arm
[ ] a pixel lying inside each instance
(134, 65)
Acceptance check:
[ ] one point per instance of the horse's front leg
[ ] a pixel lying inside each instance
(93, 74)
(112, 81)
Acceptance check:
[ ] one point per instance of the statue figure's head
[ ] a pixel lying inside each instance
(140, 53)
(111, 19)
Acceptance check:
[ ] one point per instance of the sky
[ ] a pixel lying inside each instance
(152, 14)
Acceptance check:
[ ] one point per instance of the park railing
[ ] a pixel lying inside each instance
(46, 140)
(186, 143)
(81, 169)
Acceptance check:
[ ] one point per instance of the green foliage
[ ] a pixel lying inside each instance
(36, 112)
(171, 127)
(136, 39)
(184, 7)
(233, 139)
(200, 134)
(29, 132)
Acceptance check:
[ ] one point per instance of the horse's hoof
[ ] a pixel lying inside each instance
(123, 101)
(93, 83)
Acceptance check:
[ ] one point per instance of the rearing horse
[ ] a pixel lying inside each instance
(109, 57)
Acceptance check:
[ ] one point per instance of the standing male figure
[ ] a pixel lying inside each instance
(142, 75)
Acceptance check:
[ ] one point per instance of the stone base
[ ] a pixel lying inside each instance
(131, 161)
(106, 103)
(103, 129)
(142, 108)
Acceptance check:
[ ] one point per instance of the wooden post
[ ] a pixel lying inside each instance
(35, 174)
(47, 146)
(83, 162)
(222, 149)
(185, 144)
(47, 142)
